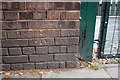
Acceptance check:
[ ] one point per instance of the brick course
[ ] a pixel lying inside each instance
(39, 35)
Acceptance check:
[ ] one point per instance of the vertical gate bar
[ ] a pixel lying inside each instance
(103, 28)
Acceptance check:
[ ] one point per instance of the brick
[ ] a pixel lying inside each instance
(39, 58)
(62, 65)
(17, 66)
(60, 41)
(64, 32)
(54, 49)
(34, 5)
(76, 5)
(4, 35)
(26, 15)
(48, 5)
(14, 6)
(71, 24)
(68, 5)
(64, 57)
(59, 5)
(28, 66)
(28, 50)
(14, 25)
(55, 15)
(40, 15)
(72, 15)
(14, 42)
(63, 49)
(27, 34)
(41, 33)
(10, 15)
(42, 24)
(53, 65)
(63, 15)
(15, 59)
(73, 32)
(72, 49)
(42, 50)
(41, 65)
(15, 51)
(13, 34)
(62, 24)
(6, 67)
(52, 33)
(73, 40)
(41, 42)
(4, 6)
(71, 64)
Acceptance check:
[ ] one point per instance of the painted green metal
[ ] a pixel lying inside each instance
(88, 13)
(103, 28)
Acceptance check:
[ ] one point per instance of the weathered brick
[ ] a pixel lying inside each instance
(4, 6)
(14, 5)
(62, 24)
(76, 5)
(39, 58)
(26, 15)
(60, 41)
(41, 42)
(34, 5)
(54, 49)
(40, 15)
(28, 50)
(10, 15)
(15, 59)
(14, 25)
(52, 33)
(13, 34)
(42, 50)
(73, 40)
(53, 65)
(63, 15)
(6, 67)
(72, 49)
(62, 65)
(55, 15)
(71, 64)
(42, 24)
(15, 51)
(14, 42)
(41, 65)
(67, 41)
(4, 35)
(73, 32)
(71, 24)
(72, 15)
(48, 5)
(41, 33)
(64, 32)
(28, 66)
(27, 34)
(59, 5)
(63, 49)
(68, 5)
(65, 57)
(17, 66)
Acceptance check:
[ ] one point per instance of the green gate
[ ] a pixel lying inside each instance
(88, 14)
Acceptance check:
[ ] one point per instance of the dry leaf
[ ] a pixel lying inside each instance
(7, 74)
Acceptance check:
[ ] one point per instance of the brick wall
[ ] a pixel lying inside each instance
(39, 35)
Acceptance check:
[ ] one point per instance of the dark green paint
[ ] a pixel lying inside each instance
(88, 13)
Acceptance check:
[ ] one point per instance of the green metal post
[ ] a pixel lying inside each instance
(88, 14)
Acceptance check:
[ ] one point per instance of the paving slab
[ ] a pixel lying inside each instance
(78, 73)
(113, 72)
(26, 75)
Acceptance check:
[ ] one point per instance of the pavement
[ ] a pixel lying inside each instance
(108, 71)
